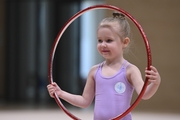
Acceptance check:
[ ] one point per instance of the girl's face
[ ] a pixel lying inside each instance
(109, 44)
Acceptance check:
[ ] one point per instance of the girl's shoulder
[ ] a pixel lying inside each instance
(132, 71)
(131, 68)
(94, 69)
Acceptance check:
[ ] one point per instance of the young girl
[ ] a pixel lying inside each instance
(113, 81)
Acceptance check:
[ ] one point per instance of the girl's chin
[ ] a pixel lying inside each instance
(105, 55)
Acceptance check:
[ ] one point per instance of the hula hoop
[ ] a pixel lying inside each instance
(148, 52)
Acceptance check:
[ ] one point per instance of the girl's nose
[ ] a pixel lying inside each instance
(104, 44)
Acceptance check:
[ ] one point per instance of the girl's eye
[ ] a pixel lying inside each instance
(99, 41)
(109, 40)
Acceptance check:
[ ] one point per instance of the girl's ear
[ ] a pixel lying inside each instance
(126, 42)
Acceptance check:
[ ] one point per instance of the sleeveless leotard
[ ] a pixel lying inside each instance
(112, 94)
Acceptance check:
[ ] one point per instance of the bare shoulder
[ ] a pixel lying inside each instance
(132, 70)
(93, 70)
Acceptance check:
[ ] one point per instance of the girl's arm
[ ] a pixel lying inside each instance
(135, 78)
(83, 100)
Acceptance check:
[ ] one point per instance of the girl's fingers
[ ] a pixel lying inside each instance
(152, 73)
(151, 77)
(51, 89)
(153, 68)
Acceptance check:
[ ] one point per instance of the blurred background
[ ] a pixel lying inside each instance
(28, 29)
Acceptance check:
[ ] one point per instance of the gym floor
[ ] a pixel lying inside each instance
(84, 114)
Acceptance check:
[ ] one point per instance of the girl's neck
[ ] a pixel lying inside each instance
(114, 62)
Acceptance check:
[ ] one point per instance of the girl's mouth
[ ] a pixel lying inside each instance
(104, 50)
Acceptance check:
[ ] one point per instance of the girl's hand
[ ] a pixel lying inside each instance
(153, 75)
(54, 88)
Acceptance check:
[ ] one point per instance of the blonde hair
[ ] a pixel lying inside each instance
(124, 27)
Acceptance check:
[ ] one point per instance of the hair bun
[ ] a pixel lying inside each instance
(118, 15)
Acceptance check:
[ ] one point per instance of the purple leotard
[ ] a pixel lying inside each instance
(112, 94)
